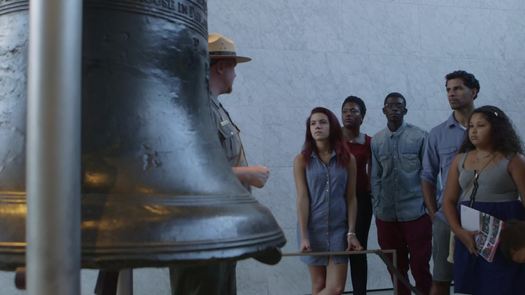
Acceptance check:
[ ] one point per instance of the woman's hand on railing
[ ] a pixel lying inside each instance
(353, 243)
(305, 245)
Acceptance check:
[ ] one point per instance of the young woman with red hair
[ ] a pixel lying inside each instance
(325, 178)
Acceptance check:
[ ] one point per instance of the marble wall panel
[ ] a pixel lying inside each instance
(7, 281)
(514, 34)
(252, 277)
(503, 4)
(150, 281)
(279, 196)
(284, 134)
(88, 279)
(280, 78)
(463, 32)
(518, 120)
(283, 282)
(488, 4)
(288, 25)
(381, 28)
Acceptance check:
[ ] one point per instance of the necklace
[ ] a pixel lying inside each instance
(349, 136)
(477, 172)
(476, 177)
(480, 157)
(487, 158)
(359, 138)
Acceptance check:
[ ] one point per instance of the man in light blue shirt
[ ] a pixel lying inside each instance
(397, 199)
(443, 142)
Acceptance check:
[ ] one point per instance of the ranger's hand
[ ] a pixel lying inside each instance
(252, 175)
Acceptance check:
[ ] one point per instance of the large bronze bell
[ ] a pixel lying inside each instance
(156, 187)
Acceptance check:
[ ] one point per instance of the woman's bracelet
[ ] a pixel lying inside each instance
(350, 234)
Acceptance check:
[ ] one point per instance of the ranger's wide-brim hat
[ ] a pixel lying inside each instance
(220, 47)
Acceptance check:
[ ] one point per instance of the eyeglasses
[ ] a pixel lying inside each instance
(397, 105)
(353, 111)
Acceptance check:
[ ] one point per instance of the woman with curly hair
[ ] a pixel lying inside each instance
(489, 175)
(325, 173)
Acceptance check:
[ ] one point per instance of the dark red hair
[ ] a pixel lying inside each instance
(335, 139)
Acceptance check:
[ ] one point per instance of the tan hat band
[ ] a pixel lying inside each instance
(223, 53)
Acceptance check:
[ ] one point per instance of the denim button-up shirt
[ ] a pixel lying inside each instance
(443, 143)
(396, 171)
(328, 213)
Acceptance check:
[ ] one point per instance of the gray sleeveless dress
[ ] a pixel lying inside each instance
(498, 196)
(495, 183)
(327, 222)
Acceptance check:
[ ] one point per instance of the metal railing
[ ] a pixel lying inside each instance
(382, 254)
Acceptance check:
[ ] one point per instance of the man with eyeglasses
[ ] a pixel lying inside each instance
(397, 198)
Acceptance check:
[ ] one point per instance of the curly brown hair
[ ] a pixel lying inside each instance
(503, 136)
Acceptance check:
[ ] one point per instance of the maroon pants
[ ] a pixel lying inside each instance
(412, 241)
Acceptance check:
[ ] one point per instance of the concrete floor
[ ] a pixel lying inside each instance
(382, 292)
(390, 292)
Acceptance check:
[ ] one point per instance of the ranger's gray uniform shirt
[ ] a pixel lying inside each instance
(218, 278)
(228, 134)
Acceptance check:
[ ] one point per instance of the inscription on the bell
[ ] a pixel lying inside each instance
(184, 8)
(7, 2)
(162, 3)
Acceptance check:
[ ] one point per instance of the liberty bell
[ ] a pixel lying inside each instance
(156, 186)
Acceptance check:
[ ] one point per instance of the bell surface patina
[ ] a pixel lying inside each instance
(156, 186)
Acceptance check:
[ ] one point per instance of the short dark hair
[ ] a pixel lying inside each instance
(503, 136)
(395, 95)
(358, 101)
(468, 79)
(512, 238)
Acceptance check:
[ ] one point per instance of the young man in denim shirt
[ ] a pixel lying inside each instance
(444, 141)
(402, 223)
